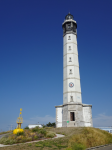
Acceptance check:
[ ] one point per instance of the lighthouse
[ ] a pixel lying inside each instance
(72, 113)
(71, 76)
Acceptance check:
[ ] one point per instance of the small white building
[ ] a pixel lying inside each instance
(34, 125)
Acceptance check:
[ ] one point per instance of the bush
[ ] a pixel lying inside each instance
(26, 127)
(35, 137)
(20, 133)
(28, 135)
(43, 131)
(29, 139)
(76, 146)
(51, 124)
(36, 129)
(7, 141)
(50, 134)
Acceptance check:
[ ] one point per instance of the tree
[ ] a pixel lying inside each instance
(51, 124)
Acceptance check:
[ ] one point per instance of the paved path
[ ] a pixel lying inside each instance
(105, 148)
(2, 135)
(57, 136)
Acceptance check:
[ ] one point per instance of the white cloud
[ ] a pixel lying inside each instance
(101, 120)
(40, 120)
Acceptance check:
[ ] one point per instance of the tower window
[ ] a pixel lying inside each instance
(71, 98)
(72, 116)
(69, 26)
(69, 47)
(70, 71)
(70, 59)
(69, 37)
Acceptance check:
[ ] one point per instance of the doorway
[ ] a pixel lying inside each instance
(72, 116)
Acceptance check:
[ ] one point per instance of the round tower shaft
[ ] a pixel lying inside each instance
(71, 76)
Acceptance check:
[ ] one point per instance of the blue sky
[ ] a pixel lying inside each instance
(31, 58)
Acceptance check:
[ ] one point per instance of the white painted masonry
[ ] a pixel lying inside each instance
(59, 117)
(70, 62)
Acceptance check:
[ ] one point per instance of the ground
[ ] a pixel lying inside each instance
(90, 135)
(56, 144)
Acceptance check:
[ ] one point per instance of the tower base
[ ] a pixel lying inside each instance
(74, 115)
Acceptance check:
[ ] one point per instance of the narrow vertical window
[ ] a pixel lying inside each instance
(70, 59)
(70, 72)
(71, 98)
(69, 26)
(69, 47)
(72, 116)
(69, 37)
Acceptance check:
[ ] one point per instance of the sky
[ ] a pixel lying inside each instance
(31, 58)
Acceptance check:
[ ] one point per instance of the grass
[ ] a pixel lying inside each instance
(51, 144)
(75, 139)
(5, 132)
(26, 136)
(91, 137)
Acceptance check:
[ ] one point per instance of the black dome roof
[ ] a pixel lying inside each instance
(69, 16)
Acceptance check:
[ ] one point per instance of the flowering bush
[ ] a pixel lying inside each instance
(28, 135)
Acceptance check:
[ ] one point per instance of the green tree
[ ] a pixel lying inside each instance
(51, 124)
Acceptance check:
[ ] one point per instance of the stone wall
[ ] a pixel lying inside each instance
(78, 112)
(87, 115)
(82, 114)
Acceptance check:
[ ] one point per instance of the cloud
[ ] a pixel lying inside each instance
(101, 120)
(40, 120)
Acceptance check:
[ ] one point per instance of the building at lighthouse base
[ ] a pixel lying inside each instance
(74, 115)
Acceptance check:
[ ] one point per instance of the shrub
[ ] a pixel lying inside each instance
(36, 129)
(7, 141)
(29, 139)
(26, 127)
(43, 131)
(27, 135)
(19, 137)
(11, 137)
(20, 133)
(76, 146)
(51, 124)
(2, 140)
(35, 137)
(50, 134)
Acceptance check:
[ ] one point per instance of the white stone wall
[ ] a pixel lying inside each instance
(73, 76)
(58, 117)
(87, 116)
(76, 97)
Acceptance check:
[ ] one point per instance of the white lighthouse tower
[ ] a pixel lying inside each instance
(72, 113)
(71, 76)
